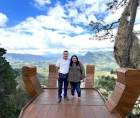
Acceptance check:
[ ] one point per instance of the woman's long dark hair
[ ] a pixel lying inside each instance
(71, 62)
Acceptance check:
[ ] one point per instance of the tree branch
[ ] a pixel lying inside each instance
(97, 27)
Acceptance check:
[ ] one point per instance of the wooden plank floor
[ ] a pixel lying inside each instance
(91, 105)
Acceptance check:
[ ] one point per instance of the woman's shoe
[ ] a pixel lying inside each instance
(59, 100)
(79, 98)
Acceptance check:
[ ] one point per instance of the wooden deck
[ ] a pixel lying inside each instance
(45, 105)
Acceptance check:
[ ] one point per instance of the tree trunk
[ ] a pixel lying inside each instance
(126, 62)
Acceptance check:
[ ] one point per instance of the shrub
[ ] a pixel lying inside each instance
(7, 88)
(12, 93)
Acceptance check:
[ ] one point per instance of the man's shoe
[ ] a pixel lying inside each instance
(59, 100)
(66, 98)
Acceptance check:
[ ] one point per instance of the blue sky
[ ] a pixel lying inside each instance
(46, 26)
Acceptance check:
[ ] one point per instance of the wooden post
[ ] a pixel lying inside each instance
(126, 91)
(31, 82)
(52, 79)
(89, 82)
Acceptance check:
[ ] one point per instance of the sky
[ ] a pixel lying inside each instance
(51, 26)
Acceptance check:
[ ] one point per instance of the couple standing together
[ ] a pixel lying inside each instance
(69, 71)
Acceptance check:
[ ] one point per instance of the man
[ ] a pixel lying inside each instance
(63, 69)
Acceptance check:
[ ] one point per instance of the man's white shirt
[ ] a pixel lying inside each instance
(63, 65)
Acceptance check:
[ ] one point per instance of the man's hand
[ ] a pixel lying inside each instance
(57, 76)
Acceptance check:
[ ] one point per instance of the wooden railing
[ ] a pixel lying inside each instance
(32, 85)
(89, 82)
(126, 91)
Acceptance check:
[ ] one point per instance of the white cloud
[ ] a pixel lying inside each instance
(81, 18)
(42, 2)
(87, 13)
(12, 40)
(97, 7)
(85, 42)
(114, 16)
(138, 15)
(137, 27)
(73, 12)
(3, 19)
(57, 11)
(34, 33)
(42, 41)
(51, 32)
(91, 2)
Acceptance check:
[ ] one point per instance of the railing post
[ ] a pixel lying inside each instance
(52, 79)
(126, 91)
(89, 82)
(32, 85)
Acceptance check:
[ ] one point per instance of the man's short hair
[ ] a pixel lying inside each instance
(65, 51)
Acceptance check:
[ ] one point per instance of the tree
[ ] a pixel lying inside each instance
(130, 45)
(126, 47)
(7, 88)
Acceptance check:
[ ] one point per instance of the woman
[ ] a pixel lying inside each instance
(76, 74)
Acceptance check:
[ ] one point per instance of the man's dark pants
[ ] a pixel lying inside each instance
(63, 79)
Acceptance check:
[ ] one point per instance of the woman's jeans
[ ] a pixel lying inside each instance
(75, 86)
(63, 78)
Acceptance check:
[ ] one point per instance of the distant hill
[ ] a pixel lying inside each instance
(95, 57)
(89, 57)
(103, 60)
(28, 57)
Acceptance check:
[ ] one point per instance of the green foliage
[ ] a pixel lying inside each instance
(106, 84)
(12, 93)
(7, 88)
(8, 107)
(43, 75)
(21, 95)
(2, 52)
(112, 71)
(135, 113)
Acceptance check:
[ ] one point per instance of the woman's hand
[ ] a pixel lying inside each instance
(83, 80)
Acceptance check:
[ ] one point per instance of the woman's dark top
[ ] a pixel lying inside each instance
(76, 73)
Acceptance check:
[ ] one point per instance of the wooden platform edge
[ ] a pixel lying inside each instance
(103, 98)
(26, 105)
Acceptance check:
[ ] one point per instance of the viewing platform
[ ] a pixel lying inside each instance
(92, 105)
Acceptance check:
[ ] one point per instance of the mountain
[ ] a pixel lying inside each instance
(94, 57)
(103, 60)
(89, 57)
(30, 58)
